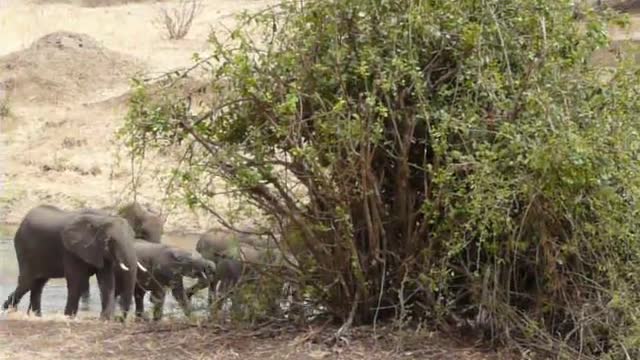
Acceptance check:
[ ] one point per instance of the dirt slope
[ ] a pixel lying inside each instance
(63, 70)
(66, 68)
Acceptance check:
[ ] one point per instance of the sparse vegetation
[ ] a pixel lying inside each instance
(70, 142)
(5, 88)
(434, 160)
(4, 109)
(62, 165)
(100, 3)
(177, 21)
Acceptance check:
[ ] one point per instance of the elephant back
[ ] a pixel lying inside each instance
(46, 217)
(222, 243)
(217, 244)
(146, 225)
(249, 254)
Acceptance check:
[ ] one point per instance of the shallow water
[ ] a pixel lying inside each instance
(54, 295)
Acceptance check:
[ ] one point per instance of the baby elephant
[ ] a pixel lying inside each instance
(166, 266)
(232, 253)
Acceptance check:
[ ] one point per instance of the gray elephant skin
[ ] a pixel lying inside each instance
(54, 243)
(167, 265)
(231, 252)
(146, 225)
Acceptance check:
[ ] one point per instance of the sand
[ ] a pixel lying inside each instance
(64, 67)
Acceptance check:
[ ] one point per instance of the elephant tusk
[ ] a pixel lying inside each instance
(141, 267)
(124, 267)
(204, 276)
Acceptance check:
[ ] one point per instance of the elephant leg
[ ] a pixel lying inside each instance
(215, 298)
(138, 297)
(212, 292)
(201, 284)
(106, 282)
(14, 298)
(86, 294)
(74, 290)
(36, 295)
(179, 294)
(157, 298)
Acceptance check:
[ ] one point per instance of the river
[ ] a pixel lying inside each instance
(54, 295)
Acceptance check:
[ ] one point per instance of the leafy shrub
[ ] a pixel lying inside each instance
(438, 160)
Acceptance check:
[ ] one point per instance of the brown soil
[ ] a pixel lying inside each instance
(66, 67)
(95, 3)
(86, 339)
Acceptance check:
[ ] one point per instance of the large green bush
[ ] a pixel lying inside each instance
(453, 161)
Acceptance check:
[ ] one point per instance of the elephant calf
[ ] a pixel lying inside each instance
(166, 266)
(231, 252)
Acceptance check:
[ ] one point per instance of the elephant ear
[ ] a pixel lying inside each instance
(84, 237)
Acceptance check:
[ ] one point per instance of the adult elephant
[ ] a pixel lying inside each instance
(54, 243)
(167, 265)
(146, 224)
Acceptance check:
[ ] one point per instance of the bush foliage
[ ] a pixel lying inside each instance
(451, 161)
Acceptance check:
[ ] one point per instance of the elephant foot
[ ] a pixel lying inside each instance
(9, 303)
(106, 317)
(9, 309)
(142, 317)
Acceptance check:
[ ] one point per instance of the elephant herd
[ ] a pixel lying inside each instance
(125, 252)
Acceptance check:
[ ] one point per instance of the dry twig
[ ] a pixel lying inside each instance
(177, 21)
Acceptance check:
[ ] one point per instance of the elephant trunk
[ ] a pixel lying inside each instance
(154, 231)
(125, 256)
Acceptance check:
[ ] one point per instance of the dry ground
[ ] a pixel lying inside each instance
(85, 339)
(63, 70)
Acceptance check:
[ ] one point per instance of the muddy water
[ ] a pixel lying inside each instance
(54, 295)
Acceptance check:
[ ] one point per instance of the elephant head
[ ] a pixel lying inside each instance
(105, 243)
(95, 238)
(191, 265)
(218, 243)
(146, 225)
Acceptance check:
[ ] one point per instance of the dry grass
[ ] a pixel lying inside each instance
(83, 339)
(94, 3)
(6, 87)
(64, 95)
(632, 6)
(617, 51)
